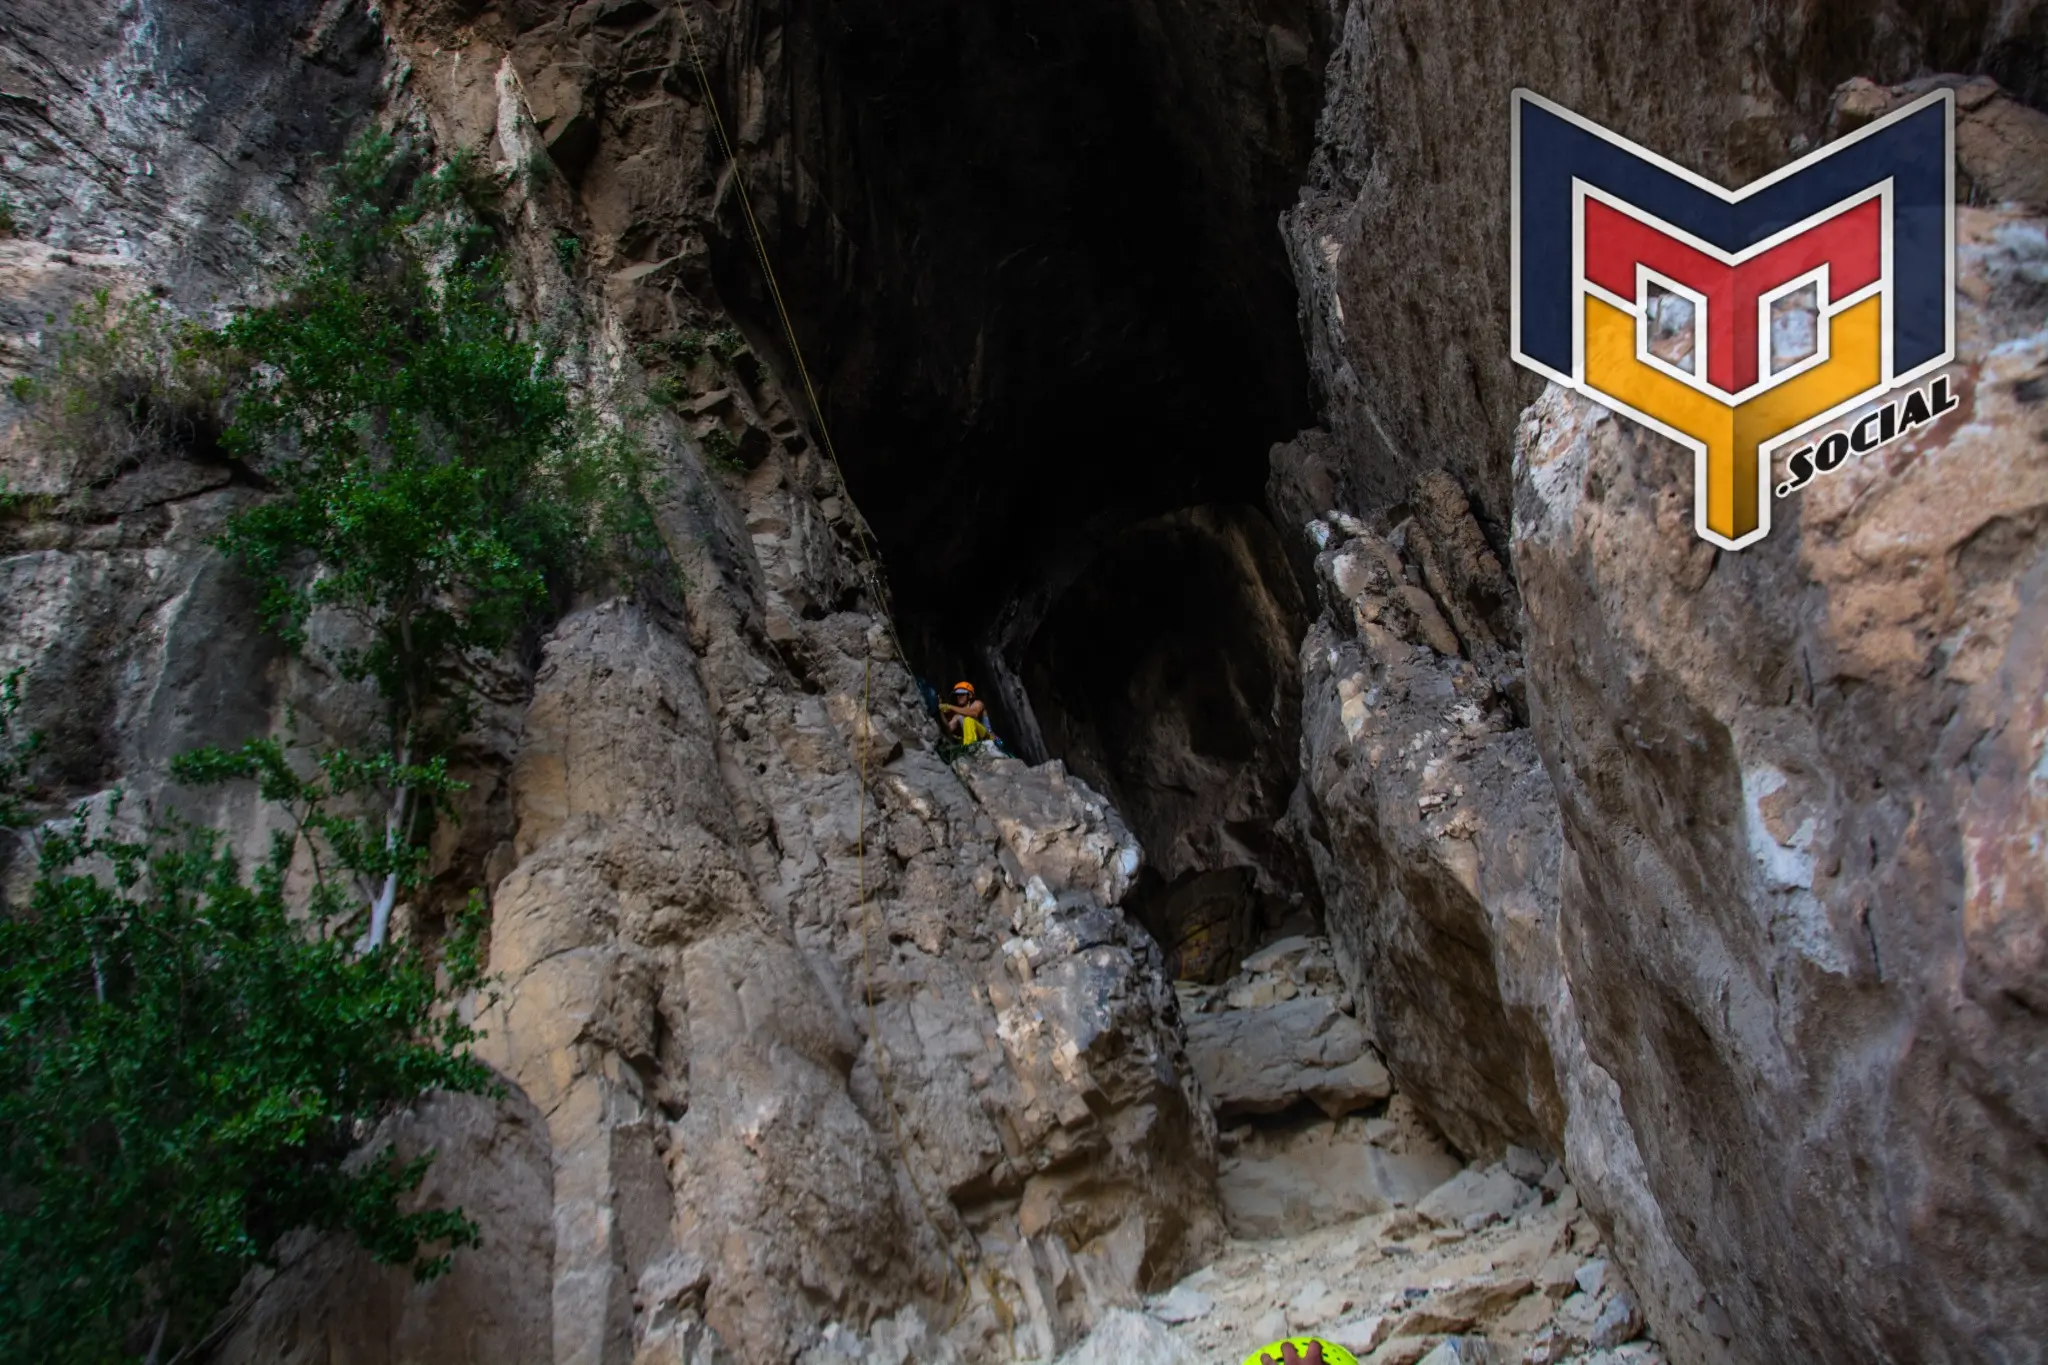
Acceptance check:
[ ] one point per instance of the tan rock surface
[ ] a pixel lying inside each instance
(1388, 1286)
(825, 1051)
(1824, 753)
(1622, 890)
(766, 1113)
(1264, 1060)
(330, 1304)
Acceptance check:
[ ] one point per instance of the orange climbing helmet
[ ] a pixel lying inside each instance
(960, 687)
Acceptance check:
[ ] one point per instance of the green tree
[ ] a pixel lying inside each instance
(191, 1057)
(437, 481)
(123, 379)
(188, 1060)
(16, 749)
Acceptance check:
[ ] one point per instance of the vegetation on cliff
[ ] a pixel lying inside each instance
(193, 1051)
(189, 1059)
(438, 481)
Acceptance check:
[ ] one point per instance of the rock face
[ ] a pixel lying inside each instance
(1529, 1283)
(1312, 1133)
(1408, 346)
(1129, 1338)
(329, 1302)
(1437, 825)
(1698, 870)
(141, 159)
(736, 1134)
(817, 1045)
(1261, 1061)
(1794, 785)
(1165, 673)
(1714, 878)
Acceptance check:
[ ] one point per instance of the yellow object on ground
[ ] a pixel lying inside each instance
(1333, 1354)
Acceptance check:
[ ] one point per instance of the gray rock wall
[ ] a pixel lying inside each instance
(816, 1044)
(1678, 866)
(1400, 241)
(1792, 784)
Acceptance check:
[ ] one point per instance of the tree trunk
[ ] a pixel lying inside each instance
(380, 909)
(395, 826)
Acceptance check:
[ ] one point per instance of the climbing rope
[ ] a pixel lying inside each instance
(870, 574)
(861, 538)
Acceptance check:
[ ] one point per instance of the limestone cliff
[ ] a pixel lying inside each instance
(1694, 867)
(1712, 878)
(805, 1028)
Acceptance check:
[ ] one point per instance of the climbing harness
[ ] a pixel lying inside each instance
(870, 575)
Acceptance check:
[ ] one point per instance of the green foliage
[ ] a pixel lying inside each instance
(13, 501)
(726, 343)
(8, 225)
(188, 1054)
(336, 844)
(681, 347)
(568, 249)
(438, 481)
(16, 750)
(125, 377)
(666, 391)
(723, 450)
(686, 345)
(186, 1064)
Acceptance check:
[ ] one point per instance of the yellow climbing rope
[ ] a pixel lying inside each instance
(871, 575)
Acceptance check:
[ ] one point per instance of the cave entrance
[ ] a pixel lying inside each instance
(1166, 675)
(1034, 260)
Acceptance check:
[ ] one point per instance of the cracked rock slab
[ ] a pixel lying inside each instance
(1267, 1060)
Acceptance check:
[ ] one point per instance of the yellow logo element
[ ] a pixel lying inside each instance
(1726, 437)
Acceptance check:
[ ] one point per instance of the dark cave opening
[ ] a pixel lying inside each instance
(1167, 674)
(1043, 291)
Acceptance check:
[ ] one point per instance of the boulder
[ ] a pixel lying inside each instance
(1266, 1060)
(1127, 1338)
(1361, 1335)
(2001, 142)
(1524, 1165)
(1280, 1181)
(1463, 1351)
(1055, 829)
(1473, 1198)
(1181, 1304)
(1620, 1321)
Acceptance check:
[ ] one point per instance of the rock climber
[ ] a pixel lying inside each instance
(965, 717)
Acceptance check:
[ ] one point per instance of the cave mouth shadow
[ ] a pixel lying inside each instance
(1166, 675)
(1036, 264)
